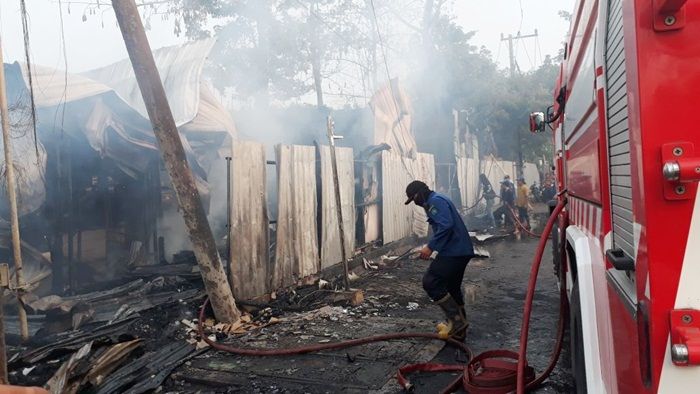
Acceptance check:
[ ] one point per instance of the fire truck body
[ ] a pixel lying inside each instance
(624, 147)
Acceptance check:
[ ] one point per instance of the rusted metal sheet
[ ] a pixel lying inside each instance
(423, 170)
(249, 221)
(297, 244)
(330, 240)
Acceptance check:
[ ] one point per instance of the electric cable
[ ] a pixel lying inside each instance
(25, 31)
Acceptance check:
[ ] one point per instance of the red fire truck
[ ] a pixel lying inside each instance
(625, 134)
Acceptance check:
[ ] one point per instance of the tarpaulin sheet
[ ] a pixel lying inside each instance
(105, 106)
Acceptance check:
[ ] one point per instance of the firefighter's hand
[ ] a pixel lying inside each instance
(425, 253)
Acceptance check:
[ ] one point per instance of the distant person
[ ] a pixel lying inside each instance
(505, 211)
(443, 279)
(549, 191)
(522, 202)
(489, 195)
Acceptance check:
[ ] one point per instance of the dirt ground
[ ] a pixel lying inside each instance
(394, 301)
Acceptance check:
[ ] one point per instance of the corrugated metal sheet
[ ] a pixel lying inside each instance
(468, 180)
(330, 238)
(297, 242)
(393, 118)
(397, 218)
(424, 170)
(249, 221)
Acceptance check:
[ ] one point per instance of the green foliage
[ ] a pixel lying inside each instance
(270, 49)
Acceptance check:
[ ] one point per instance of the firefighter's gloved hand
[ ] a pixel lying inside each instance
(425, 253)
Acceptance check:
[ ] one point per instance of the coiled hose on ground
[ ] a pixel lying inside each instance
(487, 373)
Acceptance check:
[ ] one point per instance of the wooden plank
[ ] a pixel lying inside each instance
(330, 240)
(249, 221)
(297, 243)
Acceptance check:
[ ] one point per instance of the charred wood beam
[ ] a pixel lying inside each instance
(173, 155)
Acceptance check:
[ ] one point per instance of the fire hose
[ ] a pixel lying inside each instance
(520, 224)
(487, 373)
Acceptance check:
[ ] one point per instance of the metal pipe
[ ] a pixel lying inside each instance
(12, 196)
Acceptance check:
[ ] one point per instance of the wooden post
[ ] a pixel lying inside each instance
(173, 155)
(3, 349)
(12, 196)
(338, 207)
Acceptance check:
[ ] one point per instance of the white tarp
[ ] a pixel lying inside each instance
(105, 106)
(184, 61)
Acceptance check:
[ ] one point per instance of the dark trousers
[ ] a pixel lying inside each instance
(444, 276)
(524, 217)
(504, 210)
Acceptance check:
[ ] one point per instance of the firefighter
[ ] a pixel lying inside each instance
(507, 202)
(522, 202)
(489, 196)
(450, 239)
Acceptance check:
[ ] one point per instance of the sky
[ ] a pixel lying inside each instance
(97, 41)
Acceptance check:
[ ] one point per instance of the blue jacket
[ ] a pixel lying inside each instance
(450, 235)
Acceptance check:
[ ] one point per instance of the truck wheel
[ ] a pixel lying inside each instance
(578, 365)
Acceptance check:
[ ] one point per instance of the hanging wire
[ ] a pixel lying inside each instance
(62, 102)
(522, 16)
(391, 87)
(498, 52)
(25, 31)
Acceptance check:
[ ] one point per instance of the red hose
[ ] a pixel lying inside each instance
(527, 310)
(487, 373)
(521, 225)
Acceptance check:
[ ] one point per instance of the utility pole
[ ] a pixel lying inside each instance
(513, 66)
(338, 207)
(12, 196)
(173, 155)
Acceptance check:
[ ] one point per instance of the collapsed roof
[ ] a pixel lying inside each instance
(105, 107)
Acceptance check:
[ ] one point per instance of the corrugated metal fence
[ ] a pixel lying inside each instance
(307, 237)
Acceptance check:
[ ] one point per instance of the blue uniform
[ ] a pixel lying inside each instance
(450, 235)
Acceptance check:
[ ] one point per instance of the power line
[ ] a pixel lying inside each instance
(522, 15)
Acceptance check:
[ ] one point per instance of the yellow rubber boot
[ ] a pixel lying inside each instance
(444, 330)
